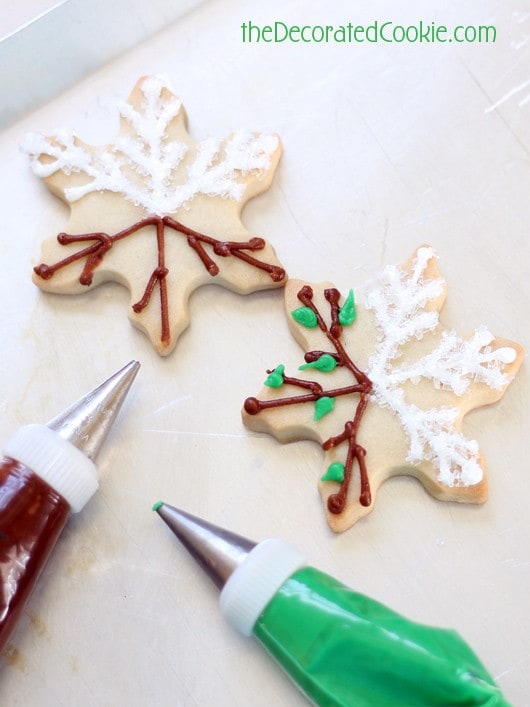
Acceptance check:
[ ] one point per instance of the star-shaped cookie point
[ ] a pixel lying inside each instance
(156, 211)
(384, 388)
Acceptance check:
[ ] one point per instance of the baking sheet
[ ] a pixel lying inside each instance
(47, 46)
(386, 147)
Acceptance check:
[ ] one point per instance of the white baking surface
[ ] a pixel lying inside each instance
(14, 16)
(386, 147)
(46, 47)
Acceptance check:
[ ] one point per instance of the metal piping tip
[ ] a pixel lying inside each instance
(86, 423)
(218, 551)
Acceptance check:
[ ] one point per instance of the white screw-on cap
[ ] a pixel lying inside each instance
(254, 583)
(64, 467)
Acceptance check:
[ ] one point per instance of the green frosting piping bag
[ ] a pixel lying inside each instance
(339, 647)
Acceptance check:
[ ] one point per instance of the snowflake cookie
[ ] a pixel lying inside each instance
(156, 211)
(384, 388)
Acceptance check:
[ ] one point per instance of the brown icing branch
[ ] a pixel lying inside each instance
(337, 501)
(318, 392)
(363, 386)
(158, 276)
(101, 243)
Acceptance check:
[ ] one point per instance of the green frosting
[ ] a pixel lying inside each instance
(323, 406)
(348, 312)
(275, 378)
(344, 649)
(324, 363)
(335, 472)
(305, 316)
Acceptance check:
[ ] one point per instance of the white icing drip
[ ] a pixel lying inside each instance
(142, 163)
(399, 302)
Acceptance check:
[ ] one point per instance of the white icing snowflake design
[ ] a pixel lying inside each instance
(145, 166)
(399, 303)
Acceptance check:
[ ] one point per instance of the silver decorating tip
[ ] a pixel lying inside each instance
(86, 423)
(218, 551)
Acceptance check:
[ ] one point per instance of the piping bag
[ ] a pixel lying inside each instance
(46, 472)
(339, 647)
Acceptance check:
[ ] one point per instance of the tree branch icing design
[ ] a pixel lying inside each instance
(308, 315)
(410, 393)
(153, 177)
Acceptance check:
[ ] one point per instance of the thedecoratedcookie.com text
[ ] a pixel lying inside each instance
(376, 32)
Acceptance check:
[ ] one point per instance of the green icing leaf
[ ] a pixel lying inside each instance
(323, 406)
(325, 363)
(335, 472)
(305, 316)
(275, 378)
(348, 312)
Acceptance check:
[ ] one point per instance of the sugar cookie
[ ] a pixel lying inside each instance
(156, 211)
(384, 388)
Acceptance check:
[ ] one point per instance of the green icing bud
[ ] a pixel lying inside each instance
(325, 363)
(323, 406)
(305, 316)
(348, 312)
(275, 378)
(335, 472)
